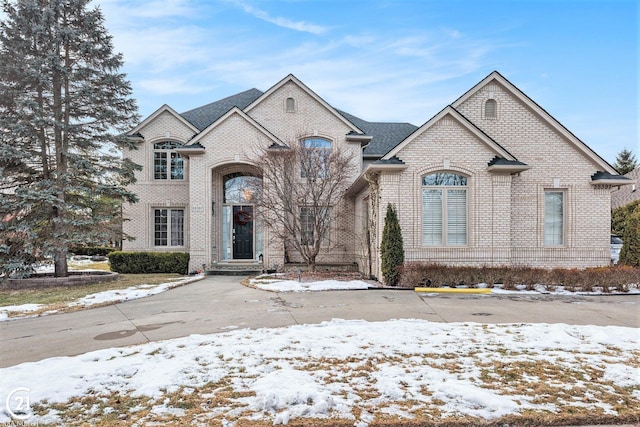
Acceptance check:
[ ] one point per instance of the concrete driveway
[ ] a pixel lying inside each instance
(218, 303)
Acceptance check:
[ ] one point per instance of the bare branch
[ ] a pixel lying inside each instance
(304, 184)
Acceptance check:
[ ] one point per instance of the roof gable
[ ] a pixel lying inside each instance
(164, 109)
(244, 116)
(203, 116)
(291, 78)
(458, 117)
(541, 112)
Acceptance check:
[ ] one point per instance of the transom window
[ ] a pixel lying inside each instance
(167, 164)
(168, 227)
(444, 209)
(314, 157)
(240, 188)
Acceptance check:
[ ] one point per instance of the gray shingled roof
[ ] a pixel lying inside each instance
(385, 135)
(504, 162)
(392, 161)
(202, 117)
(600, 175)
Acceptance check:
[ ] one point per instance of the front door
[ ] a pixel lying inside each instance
(242, 232)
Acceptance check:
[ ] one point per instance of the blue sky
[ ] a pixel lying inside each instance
(385, 60)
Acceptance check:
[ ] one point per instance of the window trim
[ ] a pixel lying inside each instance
(444, 190)
(326, 151)
(164, 152)
(168, 228)
(563, 222)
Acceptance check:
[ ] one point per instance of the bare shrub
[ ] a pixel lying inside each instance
(620, 278)
(411, 275)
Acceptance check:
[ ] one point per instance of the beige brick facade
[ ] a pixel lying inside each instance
(505, 204)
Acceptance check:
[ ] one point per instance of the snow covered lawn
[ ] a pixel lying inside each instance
(352, 373)
(96, 299)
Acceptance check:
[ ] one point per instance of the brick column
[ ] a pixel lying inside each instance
(199, 212)
(501, 220)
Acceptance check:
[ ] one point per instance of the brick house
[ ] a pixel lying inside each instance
(629, 193)
(492, 179)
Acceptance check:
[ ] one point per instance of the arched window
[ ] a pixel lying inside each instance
(444, 209)
(314, 157)
(290, 105)
(167, 164)
(490, 109)
(241, 188)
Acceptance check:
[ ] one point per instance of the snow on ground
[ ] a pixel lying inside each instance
(131, 293)
(275, 284)
(23, 308)
(278, 285)
(351, 370)
(268, 283)
(558, 290)
(104, 297)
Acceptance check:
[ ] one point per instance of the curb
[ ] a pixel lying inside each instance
(454, 290)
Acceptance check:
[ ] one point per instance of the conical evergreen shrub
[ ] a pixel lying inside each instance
(630, 252)
(391, 248)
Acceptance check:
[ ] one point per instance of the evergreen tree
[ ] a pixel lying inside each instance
(620, 215)
(64, 111)
(630, 252)
(625, 162)
(391, 247)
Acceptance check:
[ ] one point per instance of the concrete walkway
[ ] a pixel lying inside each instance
(218, 303)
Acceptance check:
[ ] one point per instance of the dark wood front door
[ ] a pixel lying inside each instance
(242, 232)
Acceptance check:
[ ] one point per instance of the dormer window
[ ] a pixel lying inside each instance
(167, 164)
(290, 105)
(490, 109)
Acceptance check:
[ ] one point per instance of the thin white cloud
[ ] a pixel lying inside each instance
(301, 26)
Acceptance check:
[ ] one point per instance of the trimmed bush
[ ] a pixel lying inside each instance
(149, 262)
(620, 278)
(91, 250)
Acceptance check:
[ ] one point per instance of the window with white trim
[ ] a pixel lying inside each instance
(315, 157)
(167, 163)
(553, 218)
(168, 227)
(444, 209)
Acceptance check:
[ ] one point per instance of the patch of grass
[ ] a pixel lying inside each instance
(102, 266)
(58, 297)
(555, 385)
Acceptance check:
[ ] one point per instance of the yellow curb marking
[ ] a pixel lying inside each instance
(454, 290)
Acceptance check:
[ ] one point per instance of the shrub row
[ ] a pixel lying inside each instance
(585, 280)
(149, 262)
(91, 250)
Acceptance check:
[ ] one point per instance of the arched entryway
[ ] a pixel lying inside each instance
(241, 229)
